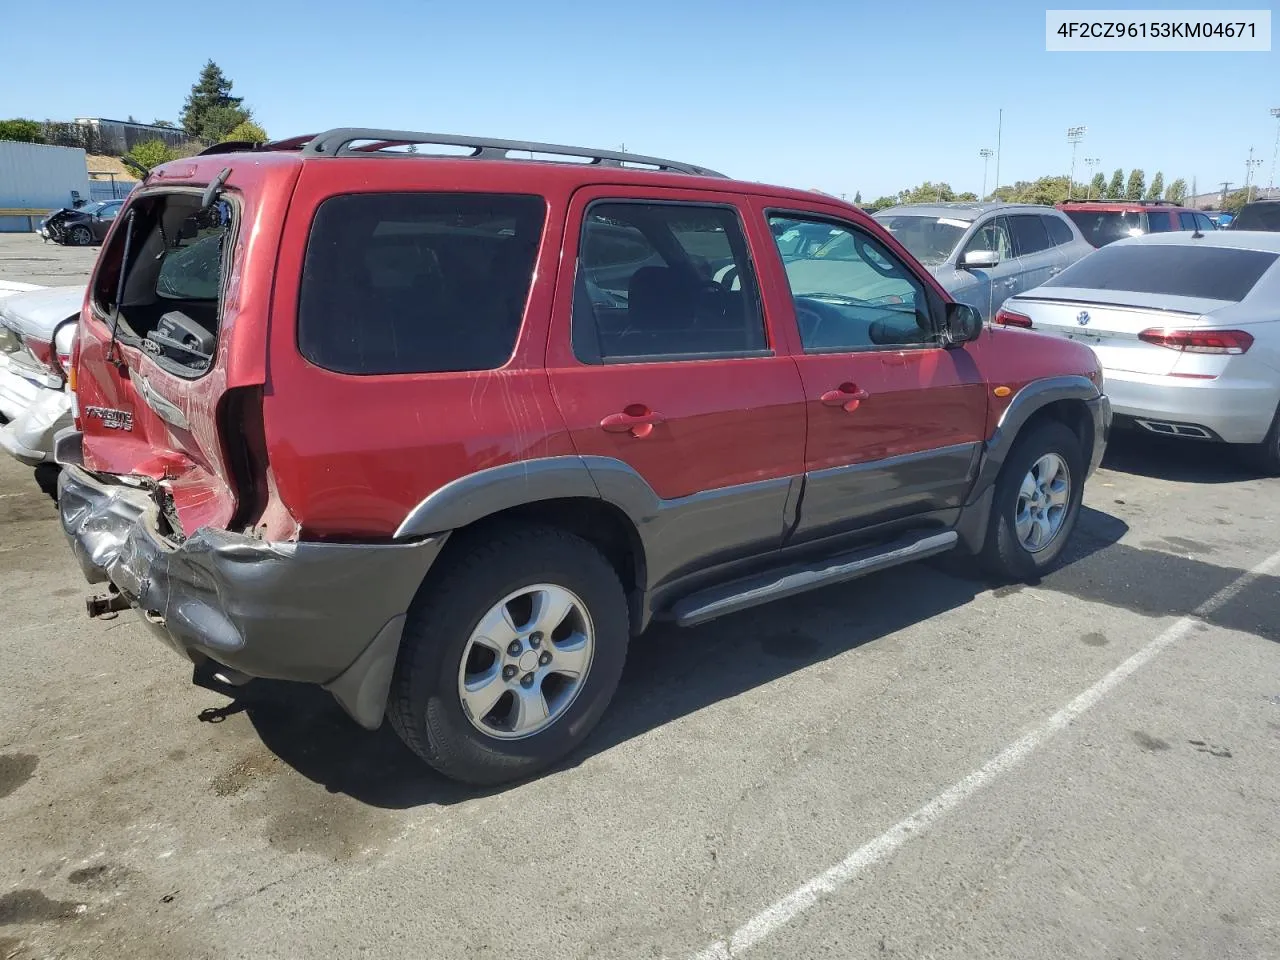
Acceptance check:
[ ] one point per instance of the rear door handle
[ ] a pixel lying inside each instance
(637, 420)
(847, 395)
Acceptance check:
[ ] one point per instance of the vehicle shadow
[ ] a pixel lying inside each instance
(670, 673)
(1167, 458)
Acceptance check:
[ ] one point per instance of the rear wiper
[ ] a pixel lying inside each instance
(112, 350)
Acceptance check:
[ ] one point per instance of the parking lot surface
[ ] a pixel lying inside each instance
(918, 764)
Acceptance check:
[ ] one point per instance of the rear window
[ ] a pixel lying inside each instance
(418, 282)
(1258, 216)
(1211, 273)
(1101, 227)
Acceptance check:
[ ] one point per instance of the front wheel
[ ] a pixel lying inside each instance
(510, 658)
(80, 236)
(1036, 503)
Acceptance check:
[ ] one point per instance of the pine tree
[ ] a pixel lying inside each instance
(1156, 191)
(1098, 188)
(212, 92)
(1115, 189)
(1137, 183)
(857, 198)
(1177, 191)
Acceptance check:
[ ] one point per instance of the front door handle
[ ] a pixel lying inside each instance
(847, 395)
(637, 420)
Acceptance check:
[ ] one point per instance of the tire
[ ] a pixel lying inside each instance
(1265, 456)
(426, 703)
(1004, 555)
(79, 236)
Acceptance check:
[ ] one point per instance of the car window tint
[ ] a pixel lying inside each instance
(1214, 273)
(683, 290)
(417, 282)
(1258, 216)
(992, 235)
(1187, 221)
(1101, 227)
(1059, 231)
(857, 296)
(1204, 223)
(1029, 234)
(1160, 221)
(109, 211)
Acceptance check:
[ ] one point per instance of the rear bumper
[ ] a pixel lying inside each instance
(16, 392)
(1100, 411)
(327, 613)
(1235, 410)
(29, 437)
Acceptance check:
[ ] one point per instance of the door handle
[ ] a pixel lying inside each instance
(847, 395)
(637, 420)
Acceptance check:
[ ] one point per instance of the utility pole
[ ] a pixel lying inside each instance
(1090, 162)
(1074, 136)
(1226, 184)
(999, 130)
(1249, 166)
(1275, 151)
(985, 153)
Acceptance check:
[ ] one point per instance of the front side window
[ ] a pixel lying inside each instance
(992, 235)
(864, 298)
(1029, 233)
(417, 282)
(664, 281)
(109, 211)
(1187, 221)
(1204, 223)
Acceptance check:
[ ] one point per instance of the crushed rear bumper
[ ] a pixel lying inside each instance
(325, 613)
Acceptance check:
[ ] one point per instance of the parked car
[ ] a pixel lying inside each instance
(424, 430)
(1186, 329)
(983, 253)
(1258, 215)
(37, 329)
(1106, 221)
(82, 226)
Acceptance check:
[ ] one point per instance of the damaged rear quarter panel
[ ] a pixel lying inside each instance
(188, 458)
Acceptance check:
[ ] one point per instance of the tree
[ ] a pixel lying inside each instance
(1177, 191)
(1235, 200)
(928, 192)
(1137, 182)
(148, 154)
(162, 123)
(211, 105)
(248, 132)
(1098, 188)
(1156, 191)
(25, 131)
(857, 198)
(967, 197)
(1115, 189)
(881, 202)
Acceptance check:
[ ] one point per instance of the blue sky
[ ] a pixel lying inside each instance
(841, 95)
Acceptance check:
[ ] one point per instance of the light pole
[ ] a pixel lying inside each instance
(1275, 112)
(986, 154)
(1249, 166)
(1090, 162)
(1074, 136)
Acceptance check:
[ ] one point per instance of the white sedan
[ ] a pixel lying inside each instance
(1187, 328)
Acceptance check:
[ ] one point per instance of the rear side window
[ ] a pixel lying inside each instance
(1029, 234)
(417, 282)
(1059, 232)
(1258, 216)
(664, 281)
(1187, 221)
(1160, 222)
(1213, 273)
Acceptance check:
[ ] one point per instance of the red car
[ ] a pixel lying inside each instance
(443, 433)
(1106, 221)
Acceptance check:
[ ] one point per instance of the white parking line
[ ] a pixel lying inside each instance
(772, 918)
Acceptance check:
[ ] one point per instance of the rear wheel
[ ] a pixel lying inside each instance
(510, 658)
(1036, 503)
(80, 236)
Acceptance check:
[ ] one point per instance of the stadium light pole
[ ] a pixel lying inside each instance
(1074, 136)
(1090, 162)
(985, 153)
(1275, 151)
(1249, 166)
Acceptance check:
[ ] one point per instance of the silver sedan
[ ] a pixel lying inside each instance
(1187, 328)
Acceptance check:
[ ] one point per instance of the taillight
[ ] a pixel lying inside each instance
(1011, 318)
(1232, 342)
(64, 340)
(72, 378)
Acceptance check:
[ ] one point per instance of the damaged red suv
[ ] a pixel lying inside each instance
(444, 433)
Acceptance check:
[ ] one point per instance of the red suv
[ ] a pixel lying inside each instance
(443, 433)
(1106, 221)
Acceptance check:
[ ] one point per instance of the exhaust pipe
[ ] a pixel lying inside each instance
(1166, 429)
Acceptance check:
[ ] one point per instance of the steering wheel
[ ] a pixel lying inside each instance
(810, 314)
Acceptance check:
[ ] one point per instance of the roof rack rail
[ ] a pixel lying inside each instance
(338, 143)
(246, 146)
(1140, 203)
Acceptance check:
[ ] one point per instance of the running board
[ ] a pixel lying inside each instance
(787, 581)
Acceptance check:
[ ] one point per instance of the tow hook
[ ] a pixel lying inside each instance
(104, 606)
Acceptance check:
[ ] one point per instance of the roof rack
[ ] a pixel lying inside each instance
(339, 143)
(1138, 203)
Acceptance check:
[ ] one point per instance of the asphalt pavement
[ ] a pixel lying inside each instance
(918, 764)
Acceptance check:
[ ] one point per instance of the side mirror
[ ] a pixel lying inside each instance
(964, 323)
(980, 260)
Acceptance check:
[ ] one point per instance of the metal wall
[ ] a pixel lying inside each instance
(39, 176)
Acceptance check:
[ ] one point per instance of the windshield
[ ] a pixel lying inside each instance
(1101, 227)
(1211, 273)
(929, 239)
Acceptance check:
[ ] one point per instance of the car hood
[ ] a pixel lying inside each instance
(9, 287)
(38, 312)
